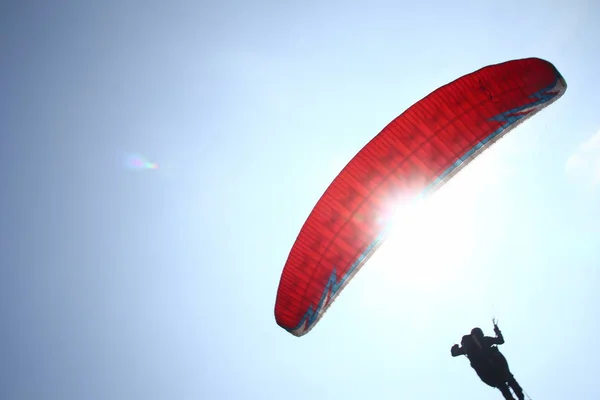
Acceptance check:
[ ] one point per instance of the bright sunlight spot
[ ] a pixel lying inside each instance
(425, 257)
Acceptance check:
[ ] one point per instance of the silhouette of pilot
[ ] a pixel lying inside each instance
(488, 362)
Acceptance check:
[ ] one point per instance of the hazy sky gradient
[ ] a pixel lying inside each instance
(160, 284)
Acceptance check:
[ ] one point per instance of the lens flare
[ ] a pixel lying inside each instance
(137, 161)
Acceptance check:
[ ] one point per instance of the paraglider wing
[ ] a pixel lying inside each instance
(413, 155)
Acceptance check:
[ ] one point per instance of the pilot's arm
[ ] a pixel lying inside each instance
(456, 351)
(499, 339)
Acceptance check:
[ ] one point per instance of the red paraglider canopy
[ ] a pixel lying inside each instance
(414, 155)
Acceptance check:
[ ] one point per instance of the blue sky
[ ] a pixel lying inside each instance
(160, 284)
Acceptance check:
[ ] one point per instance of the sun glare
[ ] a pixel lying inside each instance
(428, 254)
(425, 237)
